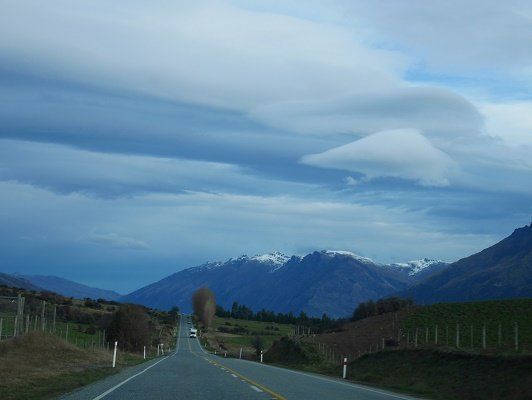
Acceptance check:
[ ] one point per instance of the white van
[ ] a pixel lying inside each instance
(193, 333)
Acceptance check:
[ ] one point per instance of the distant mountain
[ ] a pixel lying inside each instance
(420, 269)
(331, 282)
(501, 271)
(17, 282)
(70, 288)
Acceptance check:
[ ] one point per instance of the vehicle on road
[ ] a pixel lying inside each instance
(193, 333)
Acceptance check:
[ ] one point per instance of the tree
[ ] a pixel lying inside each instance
(130, 327)
(204, 305)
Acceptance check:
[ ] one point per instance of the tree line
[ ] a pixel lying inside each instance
(317, 324)
(372, 308)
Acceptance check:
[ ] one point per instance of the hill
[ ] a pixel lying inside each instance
(70, 288)
(16, 282)
(331, 282)
(501, 271)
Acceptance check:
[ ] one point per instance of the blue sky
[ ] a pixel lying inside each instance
(140, 138)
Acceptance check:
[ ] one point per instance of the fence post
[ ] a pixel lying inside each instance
(114, 355)
(426, 335)
(27, 323)
(471, 339)
(344, 373)
(53, 323)
(415, 338)
(1, 324)
(436, 335)
(499, 339)
(457, 336)
(66, 333)
(42, 314)
(484, 337)
(15, 326)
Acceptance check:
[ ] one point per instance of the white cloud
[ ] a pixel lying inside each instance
(511, 122)
(203, 52)
(436, 112)
(117, 241)
(65, 169)
(404, 153)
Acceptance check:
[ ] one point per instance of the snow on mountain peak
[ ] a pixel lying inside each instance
(416, 266)
(349, 254)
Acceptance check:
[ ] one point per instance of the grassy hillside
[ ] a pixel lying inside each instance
(446, 375)
(41, 366)
(474, 316)
(228, 334)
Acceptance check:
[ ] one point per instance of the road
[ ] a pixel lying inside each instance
(191, 373)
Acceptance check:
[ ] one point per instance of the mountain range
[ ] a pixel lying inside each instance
(326, 281)
(70, 288)
(331, 282)
(501, 271)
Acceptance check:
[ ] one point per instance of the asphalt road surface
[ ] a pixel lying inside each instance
(190, 373)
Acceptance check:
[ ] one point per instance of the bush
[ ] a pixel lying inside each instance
(130, 327)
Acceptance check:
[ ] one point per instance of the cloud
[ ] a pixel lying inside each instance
(512, 121)
(437, 112)
(118, 242)
(405, 154)
(204, 52)
(452, 35)
(66, 170)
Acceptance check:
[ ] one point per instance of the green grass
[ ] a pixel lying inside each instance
(491, 314)
(252, 328)
(446, 375)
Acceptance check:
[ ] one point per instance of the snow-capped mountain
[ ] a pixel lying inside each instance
(330, 281)
(415, 267)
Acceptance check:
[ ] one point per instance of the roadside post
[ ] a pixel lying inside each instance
(144, 352)
(114, 355)
(344, 373)
(261, 356)
(240, 356)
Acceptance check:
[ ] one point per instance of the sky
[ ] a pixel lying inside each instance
(138, 138)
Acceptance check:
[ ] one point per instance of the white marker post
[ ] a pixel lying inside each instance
(261, 356)
(114, 355)
(240, 353)
(344, 374)
(158, 349)
(144, 352)
(162, 349)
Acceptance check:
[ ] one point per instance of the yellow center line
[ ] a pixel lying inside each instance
(274, 395)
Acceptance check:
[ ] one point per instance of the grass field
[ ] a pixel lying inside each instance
(228, 334)
(446, 375)
(41, 366)
(471, 318)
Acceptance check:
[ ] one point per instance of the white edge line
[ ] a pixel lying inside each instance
(126, 380)
(101, 396)
(255, 388)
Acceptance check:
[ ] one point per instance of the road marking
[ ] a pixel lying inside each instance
(126, 380)
(255, 388)
(234, 376)
(101, 396)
